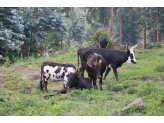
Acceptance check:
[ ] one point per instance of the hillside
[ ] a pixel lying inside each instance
(20, 94)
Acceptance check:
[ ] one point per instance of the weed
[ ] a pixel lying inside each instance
(160, 67)
(117, 88)
(132, 90)
(56, 110)
(125, 86)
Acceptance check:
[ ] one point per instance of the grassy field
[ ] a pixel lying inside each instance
(142, 80)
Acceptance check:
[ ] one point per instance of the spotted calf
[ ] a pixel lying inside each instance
(55, 71)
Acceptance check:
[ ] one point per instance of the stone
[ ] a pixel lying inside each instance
(119, 114)
(138, 102)
(148, 59)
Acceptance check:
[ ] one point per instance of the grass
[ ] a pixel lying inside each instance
(149, 79)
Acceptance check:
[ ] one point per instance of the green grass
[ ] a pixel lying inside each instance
(149, 79)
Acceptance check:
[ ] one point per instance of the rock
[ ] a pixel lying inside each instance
(57, 52)
(138, 114)
(137, 67)
(119, 114)
(148, 59)
(138, 102)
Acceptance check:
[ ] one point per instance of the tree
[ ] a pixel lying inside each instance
(120, 27)
(77, 25)
(43, 21)
(11, 30)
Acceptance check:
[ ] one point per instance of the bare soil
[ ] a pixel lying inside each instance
(20, 69)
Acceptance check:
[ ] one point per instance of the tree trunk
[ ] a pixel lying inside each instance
(155, 36)
(112, 35)
(144, 30)
(144, 38)
(155, 32)
(120, 27)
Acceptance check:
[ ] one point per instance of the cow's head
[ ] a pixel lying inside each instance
(73, 79)
(96, 66)
(131, 58)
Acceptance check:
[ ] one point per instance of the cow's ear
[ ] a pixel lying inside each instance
(89, 64)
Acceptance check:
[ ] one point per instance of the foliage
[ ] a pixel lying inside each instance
(56, 110)
(158, 45)
(117, 88)
(11, 29)
(77, 25)
(160, 67)
(7, 63)
(99, 33)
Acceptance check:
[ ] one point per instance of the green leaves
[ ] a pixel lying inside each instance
(56, 110)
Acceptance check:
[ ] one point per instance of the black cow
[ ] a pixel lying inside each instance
(55, 71)
(102, 43)
(76, 81)
(114, 58)
(96, 66)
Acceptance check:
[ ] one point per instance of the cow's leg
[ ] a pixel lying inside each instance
(106, 73)
(45, 84)
(115, 73)
(94, 83)
(100, 81)
(91, 78)
(63, 91)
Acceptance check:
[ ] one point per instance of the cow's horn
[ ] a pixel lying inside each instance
(135, 46)
(127, 48)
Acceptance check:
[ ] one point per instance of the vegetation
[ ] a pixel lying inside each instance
(66, 29)
(16, 99)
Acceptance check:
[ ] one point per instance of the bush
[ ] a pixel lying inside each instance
(125, 86)
(117, 88)
(99, 33)
(160, 67)
(158, 45)
(132, 90)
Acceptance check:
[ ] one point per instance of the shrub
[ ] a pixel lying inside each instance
(132, 90)
(158, 45)
(160, 67)
(99, 33)
(125, 86)
(117, 88)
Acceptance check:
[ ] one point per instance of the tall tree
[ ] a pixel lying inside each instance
(11, 30)
(120, 27)
(112, 34)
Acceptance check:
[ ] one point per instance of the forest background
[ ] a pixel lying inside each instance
(27, 31)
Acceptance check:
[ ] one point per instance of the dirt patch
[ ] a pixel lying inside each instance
(2, 71)
(145, 79)
(32, 77)
(117, 92)
(3, 86)
(20, 69)
(134, 85)
(148, 79)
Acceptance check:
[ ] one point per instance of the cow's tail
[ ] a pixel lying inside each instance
(41, 79)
